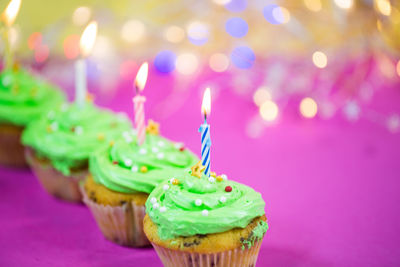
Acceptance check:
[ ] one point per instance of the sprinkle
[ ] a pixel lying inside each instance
(100, 136)
(166, 187)
(143, 169)
(115, 162)
(182, 149)
(51, 115)
(128, 140)
(7, 80)
(160, 143)
(213, 174)
(78, 130)
(160, 155)
(128, 162)
(134, 132)
(175, 181)
(211, 179)
(48, 128)
(126, 134)
(204, 213)
(54, 126)
(64, 107)
(155, 149)
(142, 151)
(224, 177)
(153, 200)
(228, 188)
(163, 209)
(156, 206)
(198, 202)
(134, 168)
(121, 116)
(219, 179)
(112, 142)
(222, 199)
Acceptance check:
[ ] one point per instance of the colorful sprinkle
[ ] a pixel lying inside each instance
(204, 213)
(142, 151)
(115, 162)
(182, 149)
(211, 179)
(54, 126)
(161, 143)
(156, 206)
(213, 174)
(78, 130)
(134, 168)
(143, 169)
(153, 127)
(219, 179)
(224, 177)
(51, 115)
(228, 188)
(163, 209)
(128, 162)
(112, 142)
(198, 202)
(153, 200)
(160, 155)
(155, 149)
(222, 199)
(175, 181)
(166, 187)
(48, 128)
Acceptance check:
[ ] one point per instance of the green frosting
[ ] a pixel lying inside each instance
(255, 235)
(68, 135)
(24, 97)
(119, 167)
(201, 206)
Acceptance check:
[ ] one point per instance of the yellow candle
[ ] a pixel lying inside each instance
(8, 17)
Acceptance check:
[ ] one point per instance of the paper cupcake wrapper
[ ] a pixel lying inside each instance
(120, 224)
(54, 182)
(231, 258)
(11, 149)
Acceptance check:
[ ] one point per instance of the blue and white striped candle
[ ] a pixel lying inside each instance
(205, 133)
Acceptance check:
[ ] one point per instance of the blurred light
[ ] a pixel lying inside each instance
(261, 95)
(345, 4)
(398, 67)
(198, 33)
(384, 7)
(255, 127)
(219, 62)
(221, 2)
(88, 38)
(133, 31)
(34, 40)
(13, 36)
(41, 53)
(236, 27)
(379, 25)
(103, 47)
(127, 69)
(313, 5)
(236, 5)
(10, 12)
(81, 15)
(141, 76)
(268, 13)
(387, 67)
(243, 57)
(393, 123)
(174, 34)
(206, 103)
(320, 59)
(281, 15)
(165, 61)
(308, 107)
(71, 46)
(269, 110)
(351, 111)
(186, 63)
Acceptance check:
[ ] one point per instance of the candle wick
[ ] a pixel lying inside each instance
(205, 117)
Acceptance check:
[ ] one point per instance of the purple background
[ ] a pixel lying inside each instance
(331, 187)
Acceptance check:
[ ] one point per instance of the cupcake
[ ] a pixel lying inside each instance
(57, 147)
(23, 98)
(121, 178)
(194, 220)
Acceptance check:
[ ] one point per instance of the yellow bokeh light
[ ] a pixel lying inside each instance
(345, 4)
(133, 31)
(379, 25)
(186, 63)
(221, 2)
(174, 34)
(261, 95)
(269, 110)
(320, 59)
(10, 13)
(398, 68)
(281, 14)
(219, 62)
(81, 15)
(88, 38)
(383, 6)
(308, 107)
(313, 5)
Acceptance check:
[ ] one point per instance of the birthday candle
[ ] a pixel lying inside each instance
(8, 17)
(205, 133)
(138, 103)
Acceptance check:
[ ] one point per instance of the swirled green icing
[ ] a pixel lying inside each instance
(24, 97)
(119, 167)
(68, 135)
(201, 206)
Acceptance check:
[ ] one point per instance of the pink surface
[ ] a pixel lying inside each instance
(331, 188)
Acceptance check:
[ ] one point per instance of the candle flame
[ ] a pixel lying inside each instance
(88, 38)
(10, 13)
(141, 77)
(206, 105)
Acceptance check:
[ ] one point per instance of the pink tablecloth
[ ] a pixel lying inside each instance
(331, 189)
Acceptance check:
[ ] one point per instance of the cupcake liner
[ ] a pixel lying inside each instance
(120, 224)
(230, 258)
(53, 181)
(11, 149)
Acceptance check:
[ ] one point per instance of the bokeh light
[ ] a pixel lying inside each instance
(236, 5)
(128, 70)
(81, 16)
(34, 40)
(133, 31)
(71, 46)
(398, 67)
(221, 2)
(269, 110)
(174, 34)
(13, 36)
(275, 14)
(243, 57)
(313, 5)
(186, 63)
(198, 32)
(344, 4)
(320, 59)
(165, 61)
(236, 27)
(384, 7)
(219, 62)
(41, 53)
(261, 95)
(393, 123)
(308, 107)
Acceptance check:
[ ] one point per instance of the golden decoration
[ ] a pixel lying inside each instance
(197, 169)
(153, 127)
(213, 174)
(219, 179)
(143, 169)
(175, 181)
